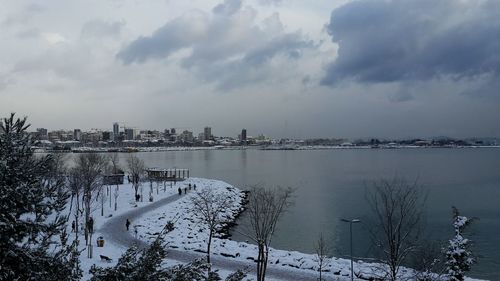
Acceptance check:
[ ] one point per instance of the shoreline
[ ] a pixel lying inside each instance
(188, 239)
(202, 148)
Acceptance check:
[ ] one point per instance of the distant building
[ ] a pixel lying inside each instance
(129, 134)
(60, 135)
(169, 135)
(93, 137)
(187, 136)
(107, 136)
(243, 136)
(116, 131)
(77, 135)
(207, 133)
(42, 134)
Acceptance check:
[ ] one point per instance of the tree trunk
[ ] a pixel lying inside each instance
(77, 210)
(260, 263)
(87, 217)
(264, 262)
(208, 249)
(102, 204)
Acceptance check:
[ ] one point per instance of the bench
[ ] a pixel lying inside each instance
(105, 258)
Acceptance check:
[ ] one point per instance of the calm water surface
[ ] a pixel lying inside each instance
(331, 184)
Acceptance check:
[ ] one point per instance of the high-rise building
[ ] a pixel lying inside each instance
(129, 134)
(243, 137)
(116, 131)
(77, 135)
(244, 134)
(207, 133)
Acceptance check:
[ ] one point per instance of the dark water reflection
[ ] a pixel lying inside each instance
(331, 184)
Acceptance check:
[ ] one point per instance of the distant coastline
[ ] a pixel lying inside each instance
(133, 149)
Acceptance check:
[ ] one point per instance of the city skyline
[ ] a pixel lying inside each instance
(125, 133)
(285, 68)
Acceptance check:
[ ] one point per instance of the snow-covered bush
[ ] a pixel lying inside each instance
(147, 264)
(459, 258)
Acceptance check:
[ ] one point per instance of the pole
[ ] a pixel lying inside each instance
(352, 271)
(351, 221)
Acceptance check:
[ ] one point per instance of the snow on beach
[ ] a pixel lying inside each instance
(188, 240)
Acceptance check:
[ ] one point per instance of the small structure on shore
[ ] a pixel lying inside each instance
(162, 176)
(113, 179)
(157, 174)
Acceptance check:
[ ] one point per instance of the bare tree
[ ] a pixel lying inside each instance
(135, 168)
(428, 264)
(264, 209)
(115, 169)
(75, 187)
(398, 206)
(102, 197)
(209, 208)
(114, 160)
(60, 168)
(322, 249)
(90, 167)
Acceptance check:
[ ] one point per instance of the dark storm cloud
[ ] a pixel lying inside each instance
(173, 36)
(225, 47)
(414, 40)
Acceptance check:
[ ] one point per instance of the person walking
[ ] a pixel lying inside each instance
(179, 190)
(194, 186)
(127, 224)
(73, 226)
(185, 190)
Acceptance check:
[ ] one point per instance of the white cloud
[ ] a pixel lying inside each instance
(53, 38)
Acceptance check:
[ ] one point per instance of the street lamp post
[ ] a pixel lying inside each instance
(351, 221)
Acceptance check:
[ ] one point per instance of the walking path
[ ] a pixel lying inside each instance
(115, 230)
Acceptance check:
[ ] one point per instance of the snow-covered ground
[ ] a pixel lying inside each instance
(189, 238)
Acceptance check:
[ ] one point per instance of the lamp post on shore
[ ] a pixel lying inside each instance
(351, 221)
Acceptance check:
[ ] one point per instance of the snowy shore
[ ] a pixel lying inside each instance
(188, 239)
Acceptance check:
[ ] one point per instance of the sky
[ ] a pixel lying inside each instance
(282, 68)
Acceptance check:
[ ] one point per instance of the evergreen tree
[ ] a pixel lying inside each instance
(459, 257)
(32, 198)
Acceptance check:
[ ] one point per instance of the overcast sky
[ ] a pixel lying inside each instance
(283, 68)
